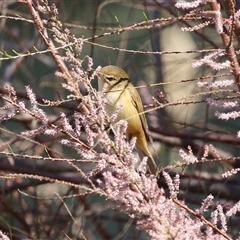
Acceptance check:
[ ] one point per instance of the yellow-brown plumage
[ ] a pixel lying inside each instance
(121, 92)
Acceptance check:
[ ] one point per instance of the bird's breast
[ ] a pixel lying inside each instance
(128, 112)
(116, 101)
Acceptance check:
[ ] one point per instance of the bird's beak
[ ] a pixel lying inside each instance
(100, 74)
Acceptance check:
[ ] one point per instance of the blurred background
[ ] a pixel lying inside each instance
(158, 58)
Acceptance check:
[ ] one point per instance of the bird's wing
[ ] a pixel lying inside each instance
(137, 102)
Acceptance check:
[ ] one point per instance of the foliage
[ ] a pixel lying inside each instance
(65, 174)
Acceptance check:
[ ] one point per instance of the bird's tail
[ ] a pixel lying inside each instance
(151, 163)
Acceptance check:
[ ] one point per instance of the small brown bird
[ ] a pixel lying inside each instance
(121, 92)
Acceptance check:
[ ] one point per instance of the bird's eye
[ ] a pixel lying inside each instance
(110, 78)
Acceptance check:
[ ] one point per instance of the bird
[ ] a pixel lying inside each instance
(123, 95)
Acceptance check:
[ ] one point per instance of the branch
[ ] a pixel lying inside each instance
(201, 218)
